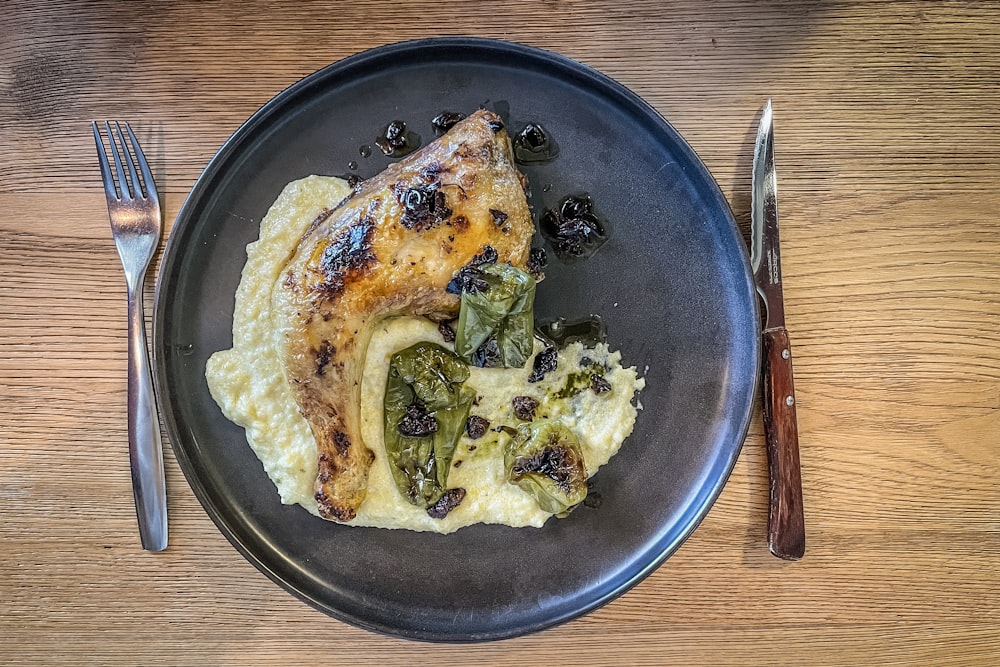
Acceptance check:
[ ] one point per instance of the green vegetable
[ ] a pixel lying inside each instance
(544, 459)
(501, 311)
(582, 380)
(428, 379)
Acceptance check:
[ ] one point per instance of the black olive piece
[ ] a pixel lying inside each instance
(423, 207)
(446, 120)
(447, 333)
(417, 422)
(572, 228)
(598, 384)
(488, 255)
(451, 499)
(488, 354)
(524, 407)
(476, 427)
(538, 259)
(394, 140)
(576, 206)
(533, 136)
(545, 361)
(395, 133)
(468, 278)
(499, 217)
(533, 144)
(496, 125)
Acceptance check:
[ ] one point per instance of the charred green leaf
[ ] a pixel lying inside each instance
(503, 311)
(544, 459)
(425, 387)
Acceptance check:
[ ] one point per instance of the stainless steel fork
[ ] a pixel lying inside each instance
(134, 211)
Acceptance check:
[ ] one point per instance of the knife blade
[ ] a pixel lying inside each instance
(786, 535)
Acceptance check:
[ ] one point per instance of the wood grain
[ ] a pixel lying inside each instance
(888, 157)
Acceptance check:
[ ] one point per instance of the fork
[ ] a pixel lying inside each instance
(134, 211)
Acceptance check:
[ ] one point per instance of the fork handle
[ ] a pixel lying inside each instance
(144, 446)
(786, 532)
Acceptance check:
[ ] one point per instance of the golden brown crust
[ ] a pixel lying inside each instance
(389, 249)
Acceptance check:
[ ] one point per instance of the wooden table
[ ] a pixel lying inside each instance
(888, 143)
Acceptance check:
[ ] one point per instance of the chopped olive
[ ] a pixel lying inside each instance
(469, 278)
(496, 125)
(545, 361)
(487, 355)
(426, 382)
(488, 255)
(446, 503)
(417, 421)
(423, 206)
(499, 217)
(395, 133)
(544, 459)
(533, 144)
(524, 407)
(573, 229)
(447, 333)
(533, 136)
(446, 120)
(395, 141)
(538, 259)
(598, 384)
(392, 138)
(476, 427)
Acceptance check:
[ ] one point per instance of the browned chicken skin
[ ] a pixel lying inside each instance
(389, 249)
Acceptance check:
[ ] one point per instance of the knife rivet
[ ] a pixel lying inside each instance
(785, 353)
(789, 401)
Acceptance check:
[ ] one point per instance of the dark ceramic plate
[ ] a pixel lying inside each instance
(672, 284)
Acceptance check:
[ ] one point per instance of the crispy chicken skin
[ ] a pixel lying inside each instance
(389, 249)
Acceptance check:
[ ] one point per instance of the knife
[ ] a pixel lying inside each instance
(786, 533)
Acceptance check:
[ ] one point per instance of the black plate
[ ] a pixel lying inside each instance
(673, 285)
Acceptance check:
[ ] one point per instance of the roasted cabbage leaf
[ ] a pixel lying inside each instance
(498, 314)
(425, 394)
(544, 459)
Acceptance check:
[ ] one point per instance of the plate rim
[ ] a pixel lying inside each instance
(171, 253)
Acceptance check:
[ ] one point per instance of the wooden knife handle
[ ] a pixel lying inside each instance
(786, 531)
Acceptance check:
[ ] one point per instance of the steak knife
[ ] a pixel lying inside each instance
(786, 533)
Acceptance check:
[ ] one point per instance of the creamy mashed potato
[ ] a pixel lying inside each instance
(248, 383)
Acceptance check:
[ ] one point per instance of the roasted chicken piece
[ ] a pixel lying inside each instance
(389, 249)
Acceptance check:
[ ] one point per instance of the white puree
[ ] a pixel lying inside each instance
(249, 385)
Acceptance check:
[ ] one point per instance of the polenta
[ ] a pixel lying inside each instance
(249, 384)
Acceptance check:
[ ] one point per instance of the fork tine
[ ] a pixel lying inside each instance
(102, 158)
(122, 182)
(147, 176)
(136, 189)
